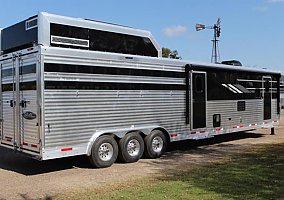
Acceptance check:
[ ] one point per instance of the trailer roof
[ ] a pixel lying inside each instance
(100, 25)
(91, 23)
(233, 68)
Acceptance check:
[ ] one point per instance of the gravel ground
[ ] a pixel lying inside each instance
(25, 178)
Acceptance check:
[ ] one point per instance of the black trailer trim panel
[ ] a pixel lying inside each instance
(73, 85)
(86, 69)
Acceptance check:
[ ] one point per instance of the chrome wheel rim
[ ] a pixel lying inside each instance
(105, 151)
(157, 144)
(133, 147)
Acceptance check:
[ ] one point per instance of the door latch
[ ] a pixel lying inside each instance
(12, 103)
(23, 103)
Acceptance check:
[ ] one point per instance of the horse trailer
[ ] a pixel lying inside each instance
(282, 91)
(82, 87)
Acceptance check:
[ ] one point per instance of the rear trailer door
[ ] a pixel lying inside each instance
(20, 110)
(9, 126)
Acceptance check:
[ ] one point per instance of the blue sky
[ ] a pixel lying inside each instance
(252, 30)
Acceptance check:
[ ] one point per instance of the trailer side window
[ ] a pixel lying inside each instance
(275, 83)
(267, 85)
(99, 40)
(28, 69)
(199, 84)
(257, 93)
(8, 72)
(8, 87)
(28, 85)
(121, 43)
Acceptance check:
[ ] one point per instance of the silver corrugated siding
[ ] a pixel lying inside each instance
(229, 114)
(74, 116)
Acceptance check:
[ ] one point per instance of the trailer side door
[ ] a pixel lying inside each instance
(9, 122)
(267, 96)
(198, 99)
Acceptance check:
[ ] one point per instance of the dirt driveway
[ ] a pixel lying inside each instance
(24, 178)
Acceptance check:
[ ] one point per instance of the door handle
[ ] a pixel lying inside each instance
(23, 103)
(12, 103)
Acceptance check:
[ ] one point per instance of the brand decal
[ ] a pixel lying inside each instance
(70, 41)
(29, 115)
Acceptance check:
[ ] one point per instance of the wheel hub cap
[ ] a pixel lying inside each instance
(157, 144)
(105, 151)
(133, 147)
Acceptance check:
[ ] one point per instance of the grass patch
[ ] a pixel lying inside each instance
(254, 174)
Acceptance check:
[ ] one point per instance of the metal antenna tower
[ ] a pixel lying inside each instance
(215, 57)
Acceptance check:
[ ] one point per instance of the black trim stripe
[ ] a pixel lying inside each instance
(8, 87)
(69, 85)
(28, 85)
(51, 67)
(105, 41)
(28, 69)
(23, 86)
(231, 70)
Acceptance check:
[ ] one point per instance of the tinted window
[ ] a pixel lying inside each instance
(8, 87)
(69, 31)
(28, 69)
(106, 41)
(267, 85)
(52, 67)
(8, 72)
(199, 87)
(121, 43)
(28, 85)
(23, 86)
(257, 93)
(224, 85)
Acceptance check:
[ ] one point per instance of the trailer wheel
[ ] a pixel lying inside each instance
(156, 144)
(131, 147)
(104, 152)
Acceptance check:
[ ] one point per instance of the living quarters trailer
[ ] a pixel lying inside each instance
(81, 87)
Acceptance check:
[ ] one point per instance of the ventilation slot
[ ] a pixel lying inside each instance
(69, 41)
(30, 24)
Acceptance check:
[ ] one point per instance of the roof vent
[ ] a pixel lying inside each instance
(232, 62)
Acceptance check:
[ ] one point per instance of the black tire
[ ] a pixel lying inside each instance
(131, 147)
(104, 152)
(155, 144)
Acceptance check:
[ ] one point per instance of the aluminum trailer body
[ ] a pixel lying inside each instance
(64, 95)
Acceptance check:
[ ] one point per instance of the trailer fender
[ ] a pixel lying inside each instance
(120, 133)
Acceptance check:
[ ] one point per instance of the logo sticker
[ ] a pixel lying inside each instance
(29, 115)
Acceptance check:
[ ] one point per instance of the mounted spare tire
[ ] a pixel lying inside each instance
(155, 143)
(104, 152)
